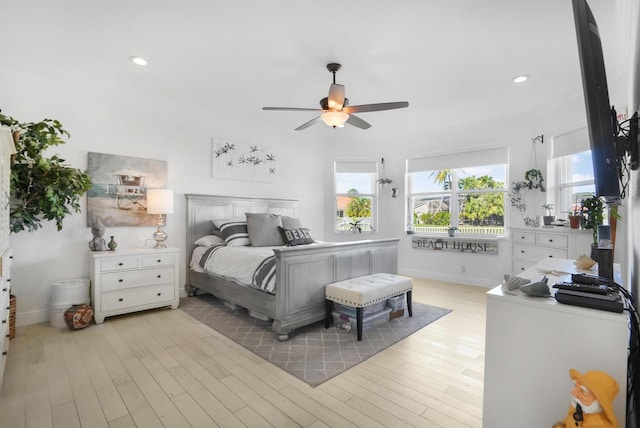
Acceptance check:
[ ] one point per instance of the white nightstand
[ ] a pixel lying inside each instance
(129, 280)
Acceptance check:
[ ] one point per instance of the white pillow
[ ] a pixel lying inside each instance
(209, 240)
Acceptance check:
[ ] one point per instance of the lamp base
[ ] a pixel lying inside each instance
(160, 235)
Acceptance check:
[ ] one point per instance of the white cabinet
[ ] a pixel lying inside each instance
(132, 280)
(7, 148)
(532, 342)
(529, 245)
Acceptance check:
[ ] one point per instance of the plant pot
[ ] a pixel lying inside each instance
(574, 221)
(548, 219)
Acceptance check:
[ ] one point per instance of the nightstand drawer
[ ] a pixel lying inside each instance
(136, 297)
(528, 237)
(136, 278)
(560, 241)
(158, 260)
(534, 253)
(119, 263)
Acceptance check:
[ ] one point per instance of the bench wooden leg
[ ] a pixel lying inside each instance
(328, 316)
(409, 303)
(359, 323)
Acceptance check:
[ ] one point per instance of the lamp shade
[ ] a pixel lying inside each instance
(334, 118)
(160, 201)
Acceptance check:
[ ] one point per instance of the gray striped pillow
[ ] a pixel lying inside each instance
(233, 231)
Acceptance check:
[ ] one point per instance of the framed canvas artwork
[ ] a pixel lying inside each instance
(119, 193)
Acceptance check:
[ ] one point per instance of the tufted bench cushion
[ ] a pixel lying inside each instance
(364, 291)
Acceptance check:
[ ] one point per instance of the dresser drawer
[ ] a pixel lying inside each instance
(136, 278)
(520, 236)
(560, 241)
(124, 299)
(534, 253)
(520, 265)
(119, 263)
(158, 260)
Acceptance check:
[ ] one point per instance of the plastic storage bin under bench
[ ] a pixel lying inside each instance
(371, 320)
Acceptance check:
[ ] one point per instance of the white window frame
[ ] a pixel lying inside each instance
(368, 166)
(453, 162)
(560, 169)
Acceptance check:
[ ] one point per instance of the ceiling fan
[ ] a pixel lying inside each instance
(336, 110)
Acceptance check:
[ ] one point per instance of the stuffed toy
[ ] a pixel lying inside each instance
(591, 401)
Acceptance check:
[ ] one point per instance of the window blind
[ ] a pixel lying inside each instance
(569, 143)
(356, 166)
(495, 156)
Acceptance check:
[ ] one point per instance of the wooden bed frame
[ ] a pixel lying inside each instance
(301, 272)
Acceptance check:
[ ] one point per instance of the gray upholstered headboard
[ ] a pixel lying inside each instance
(201, 209)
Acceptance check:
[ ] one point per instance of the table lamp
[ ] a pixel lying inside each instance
(160, 203)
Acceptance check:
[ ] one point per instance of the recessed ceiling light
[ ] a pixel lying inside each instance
(520, 79)
(138, 60)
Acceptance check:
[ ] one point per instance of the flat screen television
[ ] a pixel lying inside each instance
(601, 118)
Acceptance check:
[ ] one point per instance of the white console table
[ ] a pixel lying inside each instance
(531, 343)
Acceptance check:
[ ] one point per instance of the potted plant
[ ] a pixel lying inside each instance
(548, 218)
(452, 231)
(593, 215)
(42, 186)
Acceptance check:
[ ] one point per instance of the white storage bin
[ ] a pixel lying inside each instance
(72, 291)
(57, 310)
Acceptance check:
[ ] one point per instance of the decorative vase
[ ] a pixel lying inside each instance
(548, 219)
(574, 221)
(112, 245)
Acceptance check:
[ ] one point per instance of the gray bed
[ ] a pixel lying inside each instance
(301, 272)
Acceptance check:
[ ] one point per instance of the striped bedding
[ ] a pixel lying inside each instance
(250, 266)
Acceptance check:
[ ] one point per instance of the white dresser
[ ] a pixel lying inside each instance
(529, 245)
(532, 342)
(129, 280)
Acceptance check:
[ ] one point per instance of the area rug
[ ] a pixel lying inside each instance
(313, 354)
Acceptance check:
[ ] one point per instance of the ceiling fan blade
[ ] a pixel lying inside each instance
(336, 96)
(291, 109)
(375, 107)
(357, 122)
(307, 124)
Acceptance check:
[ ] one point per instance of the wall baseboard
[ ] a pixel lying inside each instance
(42, 315)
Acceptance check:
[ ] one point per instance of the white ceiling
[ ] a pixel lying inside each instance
(449, 59)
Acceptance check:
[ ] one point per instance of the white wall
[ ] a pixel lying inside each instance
(107, 119)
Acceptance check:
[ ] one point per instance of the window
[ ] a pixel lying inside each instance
(466, 191)
(570, 171)
(356, 196)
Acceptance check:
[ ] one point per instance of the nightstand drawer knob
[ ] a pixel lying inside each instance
(4, 321)
(522, 237)
(4, 353)
(159, 260)
(159, 276)
(159, 294)
(550, 256)
(120, 264)
(5, 289)
(550, 240)
(522, 251)
(120, 280)
(121, 300)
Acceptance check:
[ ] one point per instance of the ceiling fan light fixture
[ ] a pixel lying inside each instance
(334, 118)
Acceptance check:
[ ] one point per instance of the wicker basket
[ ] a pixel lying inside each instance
(12, 317)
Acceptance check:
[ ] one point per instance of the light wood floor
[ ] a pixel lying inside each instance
(163, 368)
